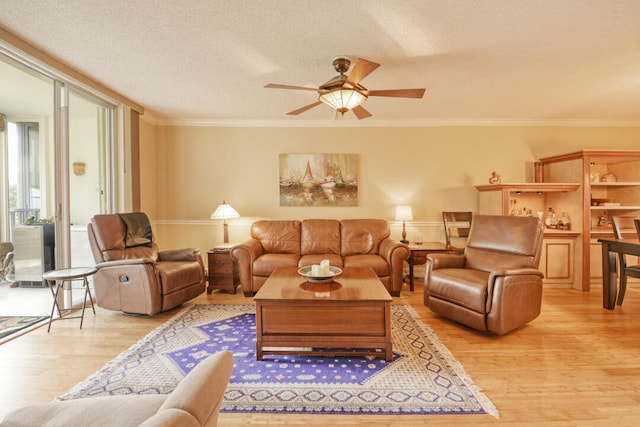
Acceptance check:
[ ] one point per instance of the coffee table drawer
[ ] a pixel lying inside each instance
(319, 319)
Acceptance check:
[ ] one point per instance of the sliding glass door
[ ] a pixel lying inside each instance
(89, 177)
(55, 170)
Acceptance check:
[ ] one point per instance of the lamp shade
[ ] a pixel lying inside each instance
(343, 100)
(224, 211)
(404, 213)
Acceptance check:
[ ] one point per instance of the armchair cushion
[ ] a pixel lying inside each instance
(138, 229)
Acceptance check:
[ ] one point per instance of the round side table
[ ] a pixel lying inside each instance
(56, 279)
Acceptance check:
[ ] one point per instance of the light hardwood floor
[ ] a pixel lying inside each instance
(576, 365)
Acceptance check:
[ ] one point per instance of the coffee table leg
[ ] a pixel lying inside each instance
(258, 331)
(388, 354)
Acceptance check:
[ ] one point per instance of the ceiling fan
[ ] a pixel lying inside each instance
(344, 93)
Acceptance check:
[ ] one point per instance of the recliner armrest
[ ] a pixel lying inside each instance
(121, 262)
(436, 261)
(514, 272)
(187, 254)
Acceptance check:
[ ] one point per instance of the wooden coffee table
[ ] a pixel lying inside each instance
(351, 315)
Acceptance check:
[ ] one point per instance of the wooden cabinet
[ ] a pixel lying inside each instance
(590, 186)
(222, 270)
(557, 259)
(609, 185)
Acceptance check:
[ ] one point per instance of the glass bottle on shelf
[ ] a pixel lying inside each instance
(564, 223)
(514, 208)
(554, 221)
(547, 219)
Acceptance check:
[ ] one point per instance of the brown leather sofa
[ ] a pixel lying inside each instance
(294, 243)
(495, 285)
(133, 276)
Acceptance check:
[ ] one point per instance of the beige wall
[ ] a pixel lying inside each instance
(186, 171)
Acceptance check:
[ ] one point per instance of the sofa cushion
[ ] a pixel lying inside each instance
(320, 236)
(311, 259)
(375, 262)
(362, 236)
(282, 237)
(264, 265)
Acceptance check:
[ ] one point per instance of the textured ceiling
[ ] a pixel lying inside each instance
(507, 61)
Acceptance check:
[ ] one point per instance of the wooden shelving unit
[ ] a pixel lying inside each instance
(557, 258)
(585, 167)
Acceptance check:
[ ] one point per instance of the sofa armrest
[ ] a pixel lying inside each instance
(395, 253)
(187, 254)
(245, 254)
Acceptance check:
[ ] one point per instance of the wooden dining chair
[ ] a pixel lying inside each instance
(456, 228)
(623, 224)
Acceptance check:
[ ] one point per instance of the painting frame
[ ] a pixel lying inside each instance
(319, 179)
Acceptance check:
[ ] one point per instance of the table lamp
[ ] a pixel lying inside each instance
(404, 213)
(224, 212)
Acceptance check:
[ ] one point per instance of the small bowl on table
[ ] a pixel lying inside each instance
(333, 272)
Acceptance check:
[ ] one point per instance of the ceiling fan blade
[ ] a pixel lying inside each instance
(360, 112)
(277, 86)
(303, 109)
(398, 93)
(361, 70)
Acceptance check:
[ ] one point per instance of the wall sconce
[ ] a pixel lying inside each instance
(404, 213)
(224, 211)
(78, 168)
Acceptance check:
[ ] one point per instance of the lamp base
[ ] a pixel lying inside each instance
(226, 232)
(404, 234)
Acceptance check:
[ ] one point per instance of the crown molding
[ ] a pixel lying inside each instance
(389, 123)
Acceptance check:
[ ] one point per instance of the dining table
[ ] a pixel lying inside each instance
(611, 250)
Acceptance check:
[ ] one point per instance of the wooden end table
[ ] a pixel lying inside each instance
(419, 255)
(222, 270)
(349, 316)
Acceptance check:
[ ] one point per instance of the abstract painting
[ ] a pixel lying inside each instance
(319, 180)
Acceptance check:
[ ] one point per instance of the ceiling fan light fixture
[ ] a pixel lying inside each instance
(343, 100)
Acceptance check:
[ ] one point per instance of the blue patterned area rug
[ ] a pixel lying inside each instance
(423, 377)
(12, 324)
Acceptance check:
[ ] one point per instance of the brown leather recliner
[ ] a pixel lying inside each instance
(133, 276)
(495, 285)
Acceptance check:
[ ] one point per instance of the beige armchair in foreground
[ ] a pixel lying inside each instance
(195, 402)
(495, 285)
(133, 275)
